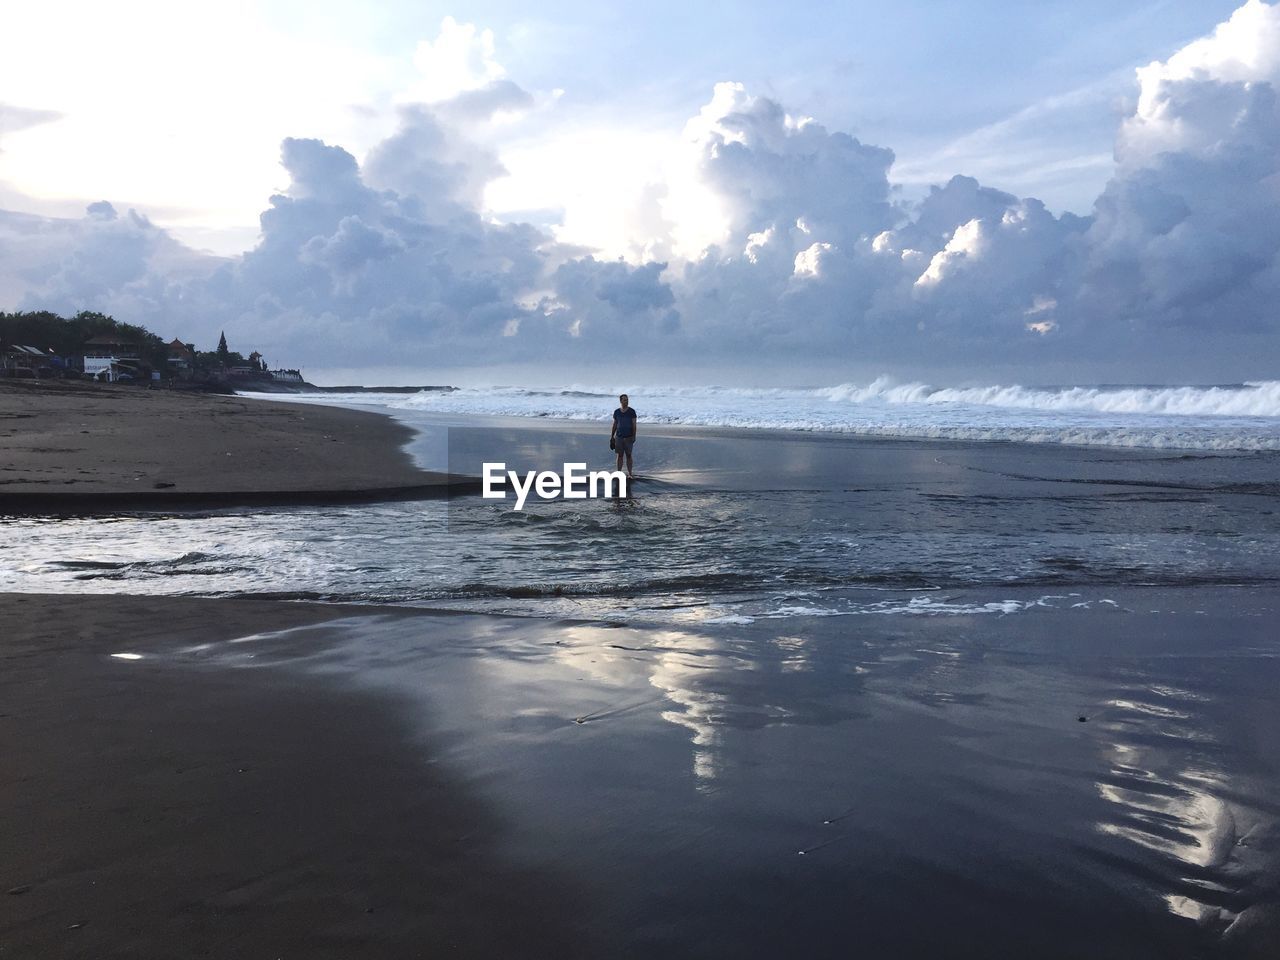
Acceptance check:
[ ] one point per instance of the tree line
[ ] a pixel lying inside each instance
(66, 336)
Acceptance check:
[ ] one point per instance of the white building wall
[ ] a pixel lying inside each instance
(95, 365)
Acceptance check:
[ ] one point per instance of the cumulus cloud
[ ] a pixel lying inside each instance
(446, 173)
(390, 271)
(1178, 257)
(807, 255)
(818, 255)
(394, 261)
(1188, 231)
(613, 302)
(775, 170)
(1180, 99)
(461, 59)
(102, 261)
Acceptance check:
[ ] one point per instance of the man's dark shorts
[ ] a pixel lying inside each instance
(624, 444)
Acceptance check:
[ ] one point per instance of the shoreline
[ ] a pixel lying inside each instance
(79, 450)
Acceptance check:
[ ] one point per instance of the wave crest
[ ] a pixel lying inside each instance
(1253, 399)
(1243, 416)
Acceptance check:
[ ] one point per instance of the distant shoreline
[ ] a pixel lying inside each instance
(279, 386)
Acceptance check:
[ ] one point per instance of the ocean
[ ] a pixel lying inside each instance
(1229, 417)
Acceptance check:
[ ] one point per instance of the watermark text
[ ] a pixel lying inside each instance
(573, 483)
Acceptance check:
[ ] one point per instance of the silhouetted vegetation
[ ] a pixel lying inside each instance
(66, 337)
(216, 359)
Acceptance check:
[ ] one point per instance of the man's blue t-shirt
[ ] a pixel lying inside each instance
(626, 421)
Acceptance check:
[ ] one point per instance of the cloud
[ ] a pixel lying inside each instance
(14, 118)
(772, 169)
(802, 251)
(1187, 234)
(1177, 266)
(495, 99)
(392, 270)
(394, 261)
(103, 261)
(461, 59)
(101, 210)
(424, 159)
(612, 302)
(819, 259)
(351, 248)
(1177, 98)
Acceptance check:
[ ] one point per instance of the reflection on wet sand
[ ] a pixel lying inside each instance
(943, 754)
(708, 684)
(1172, 801)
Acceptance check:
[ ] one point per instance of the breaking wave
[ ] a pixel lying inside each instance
(1254, 399)
(1242, 416)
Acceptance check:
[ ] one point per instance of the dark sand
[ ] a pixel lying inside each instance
(90, 447)
(258, 798)
(232, 813)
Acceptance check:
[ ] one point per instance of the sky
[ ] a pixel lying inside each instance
(764, 192)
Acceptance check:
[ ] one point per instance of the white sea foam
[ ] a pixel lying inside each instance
(1240, 417)
(730, 618)
(921, 606)
(1261, 399)
(915, 606)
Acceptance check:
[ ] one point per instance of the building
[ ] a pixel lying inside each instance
(287, 376)
(25, 361)
(182, 356)
(107, 358)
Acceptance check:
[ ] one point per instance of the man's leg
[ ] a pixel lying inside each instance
(619, 457)
(631, 469)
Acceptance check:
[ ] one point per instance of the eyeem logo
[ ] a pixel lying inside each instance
(575, 483)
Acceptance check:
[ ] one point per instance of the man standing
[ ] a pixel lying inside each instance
(623, 435)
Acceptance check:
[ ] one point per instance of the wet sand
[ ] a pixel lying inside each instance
(169, 812)
(93, 447)
(890, 786)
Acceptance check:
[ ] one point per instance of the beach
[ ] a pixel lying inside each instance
(323, 781)
(798, 695)
(72, 446)
(196, 812)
